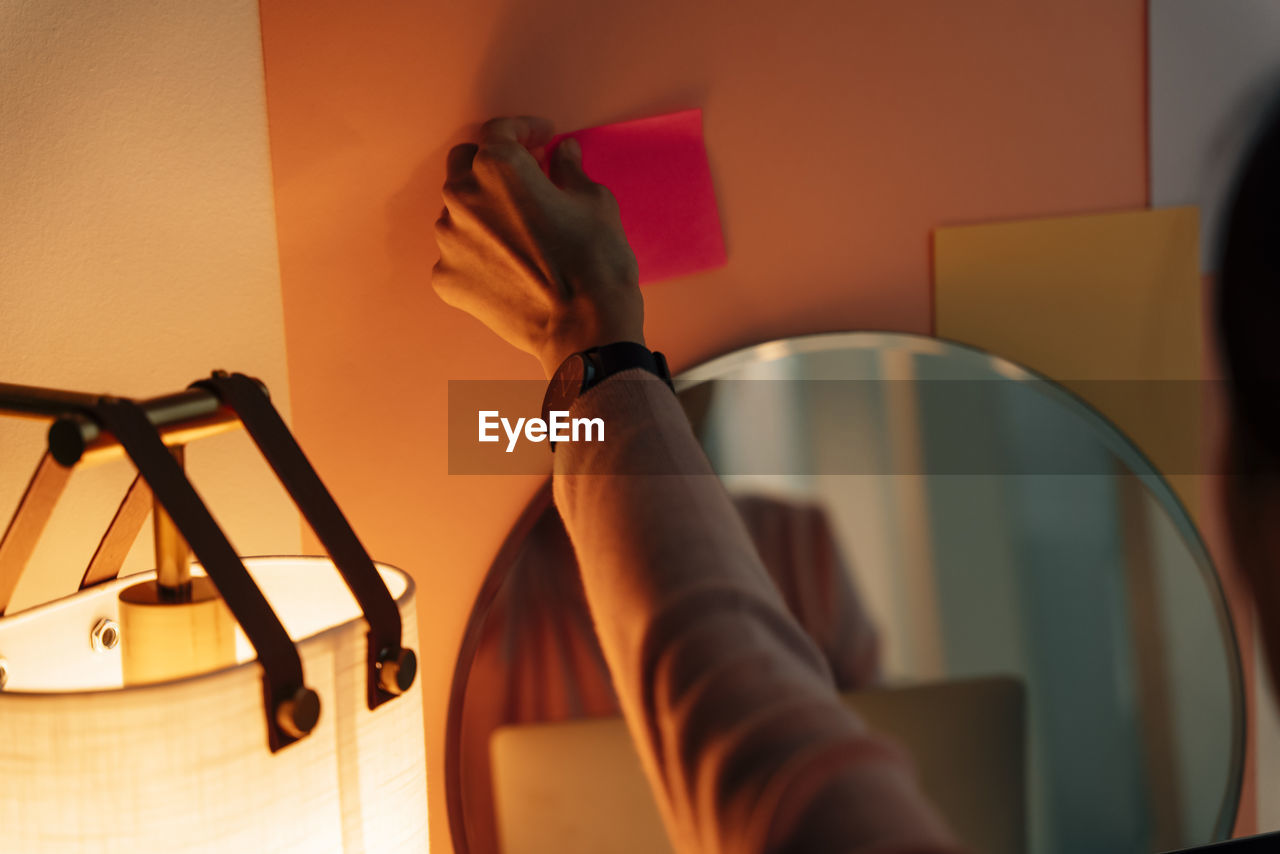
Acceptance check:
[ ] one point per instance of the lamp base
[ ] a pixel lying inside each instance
(161, 640)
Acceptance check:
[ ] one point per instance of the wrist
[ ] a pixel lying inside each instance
(562, 347)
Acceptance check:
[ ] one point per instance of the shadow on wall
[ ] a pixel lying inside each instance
(545, 59)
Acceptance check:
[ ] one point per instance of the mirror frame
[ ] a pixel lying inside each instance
(1116, 440)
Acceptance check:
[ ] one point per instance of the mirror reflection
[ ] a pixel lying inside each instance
(997, 578)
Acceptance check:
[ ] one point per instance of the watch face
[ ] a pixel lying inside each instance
(565, 385)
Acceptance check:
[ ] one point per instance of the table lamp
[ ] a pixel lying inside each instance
(245, 705)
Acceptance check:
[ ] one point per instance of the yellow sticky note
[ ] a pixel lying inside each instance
(1086, 300)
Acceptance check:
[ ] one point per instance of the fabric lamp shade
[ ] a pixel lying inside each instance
(90, 764)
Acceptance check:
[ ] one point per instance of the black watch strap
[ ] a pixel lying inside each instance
(623, 356)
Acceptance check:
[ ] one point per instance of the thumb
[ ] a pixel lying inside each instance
(566, 167)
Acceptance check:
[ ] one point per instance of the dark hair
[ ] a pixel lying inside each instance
(1248, 296)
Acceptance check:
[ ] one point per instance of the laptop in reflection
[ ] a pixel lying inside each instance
(576, 787)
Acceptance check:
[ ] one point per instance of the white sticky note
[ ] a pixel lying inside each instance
(1215, 71)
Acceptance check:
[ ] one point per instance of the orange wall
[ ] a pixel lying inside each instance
(840, 133)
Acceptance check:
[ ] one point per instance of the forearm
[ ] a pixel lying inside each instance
(731, 705)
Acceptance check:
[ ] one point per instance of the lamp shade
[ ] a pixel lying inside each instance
(88, 764)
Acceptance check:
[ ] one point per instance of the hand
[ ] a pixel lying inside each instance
(543, 263)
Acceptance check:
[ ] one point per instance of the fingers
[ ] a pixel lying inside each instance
(506, 148)
(504, 160)
(458, 163)
(566, 167)
(506, 168)
(527, 131)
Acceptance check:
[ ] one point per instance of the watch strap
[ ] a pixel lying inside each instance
(622, 356)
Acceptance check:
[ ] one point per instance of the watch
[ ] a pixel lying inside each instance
(587, 369)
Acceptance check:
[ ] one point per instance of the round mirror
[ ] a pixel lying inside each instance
(998, 578)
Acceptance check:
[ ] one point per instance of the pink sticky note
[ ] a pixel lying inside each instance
(657, 169)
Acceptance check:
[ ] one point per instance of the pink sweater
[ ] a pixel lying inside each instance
(733, 709)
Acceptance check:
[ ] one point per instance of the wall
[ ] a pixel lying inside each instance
(839, 135)
(137, 245)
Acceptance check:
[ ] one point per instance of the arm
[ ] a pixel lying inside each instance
(731, 706)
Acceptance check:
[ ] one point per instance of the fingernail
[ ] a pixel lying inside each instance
(572, 148)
